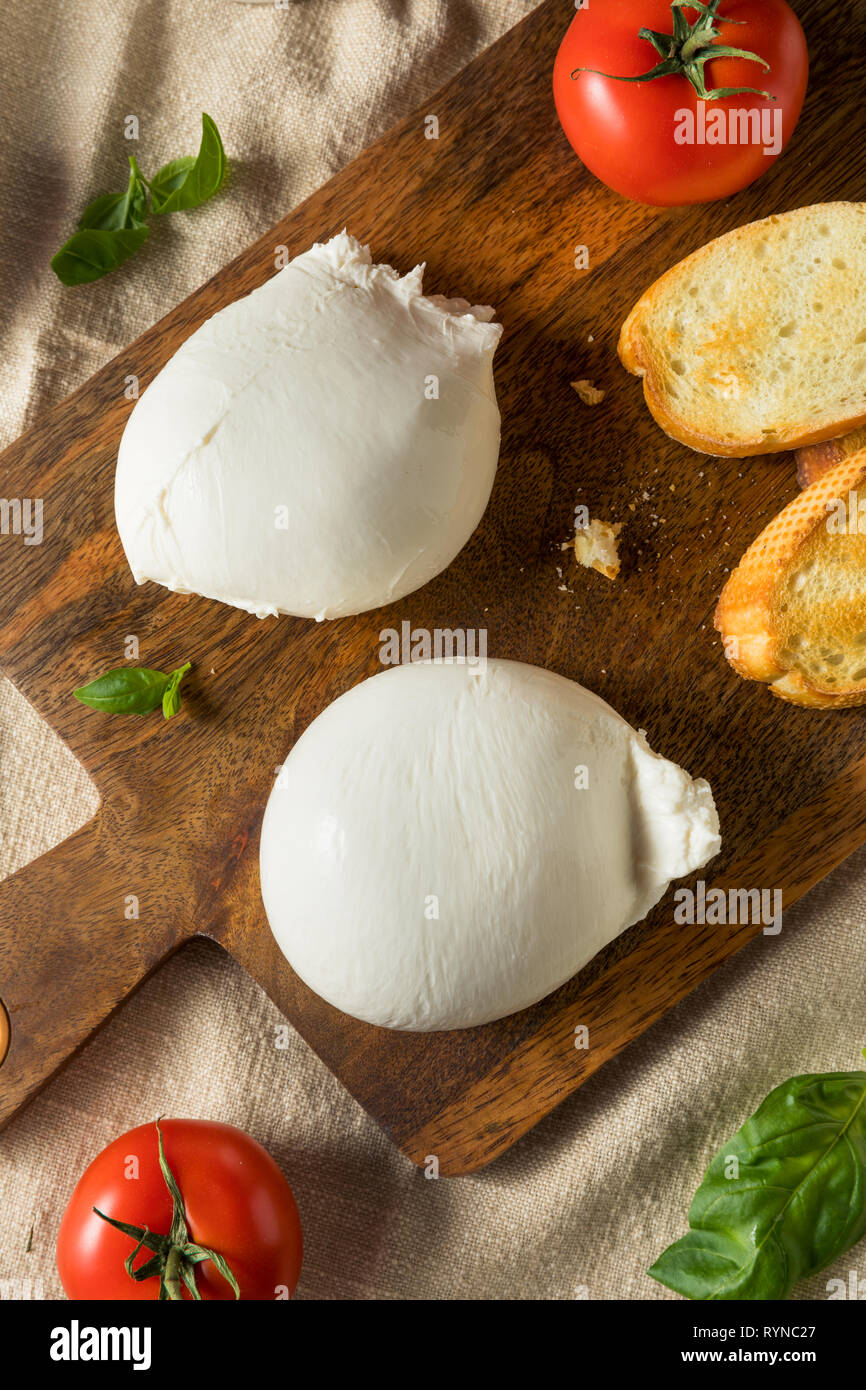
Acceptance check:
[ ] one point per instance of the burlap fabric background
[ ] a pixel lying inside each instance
(582, 1205)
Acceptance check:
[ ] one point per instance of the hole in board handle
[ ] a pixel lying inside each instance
(4, 1033)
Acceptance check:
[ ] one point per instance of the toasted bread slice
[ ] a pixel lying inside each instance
(757, 342)
(813, 460)
(793, 613)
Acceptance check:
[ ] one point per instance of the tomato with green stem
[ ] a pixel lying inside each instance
(644, 90)
(181, 1209)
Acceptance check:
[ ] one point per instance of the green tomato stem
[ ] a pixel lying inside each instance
(684, 52)
(174, 1256)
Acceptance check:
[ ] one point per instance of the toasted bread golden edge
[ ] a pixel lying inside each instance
(744, 610)
(794, 689)
(679, 430)
(634, 357)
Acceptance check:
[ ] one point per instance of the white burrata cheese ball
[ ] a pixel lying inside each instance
(322, 447)
(446, 844)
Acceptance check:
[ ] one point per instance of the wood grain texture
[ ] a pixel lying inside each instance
(496, 206)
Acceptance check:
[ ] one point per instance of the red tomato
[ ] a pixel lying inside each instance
(236, 1201)
(625, 132)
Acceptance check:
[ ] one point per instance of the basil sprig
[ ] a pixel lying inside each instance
(134, 690)
(781, 1199)
(114, 227)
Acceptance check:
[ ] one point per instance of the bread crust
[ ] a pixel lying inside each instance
(815, 459)
(744, 613)
(637, 357)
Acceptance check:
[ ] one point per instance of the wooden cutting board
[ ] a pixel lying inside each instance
(496, 205)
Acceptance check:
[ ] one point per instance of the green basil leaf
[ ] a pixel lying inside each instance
(105, 214)
(171, 695)
(118, 211)
(794, 1200)
(188, 182)
(92, 253)
(170, 177)
(110, 230)
(125, 690)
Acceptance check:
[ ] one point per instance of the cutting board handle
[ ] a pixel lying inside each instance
(70, 951)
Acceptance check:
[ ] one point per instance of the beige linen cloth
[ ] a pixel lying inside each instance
(582, 1205)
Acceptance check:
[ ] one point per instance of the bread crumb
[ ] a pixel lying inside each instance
(589, 393)
(595, 547)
